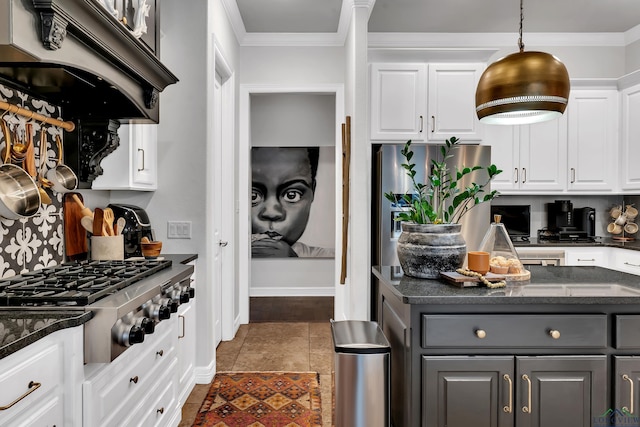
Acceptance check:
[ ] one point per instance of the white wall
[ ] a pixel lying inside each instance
(300, 119)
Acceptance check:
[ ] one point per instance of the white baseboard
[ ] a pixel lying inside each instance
(306, 291)
(205, 374)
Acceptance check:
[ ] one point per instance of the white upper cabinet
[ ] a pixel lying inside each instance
(133, 165)
(630, 150)
(593, 140)
(532, 157)
(452, 102)
(398, 101)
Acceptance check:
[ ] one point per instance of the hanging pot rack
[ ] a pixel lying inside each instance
(12, 108)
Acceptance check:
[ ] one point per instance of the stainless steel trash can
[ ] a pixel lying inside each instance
(362, 385)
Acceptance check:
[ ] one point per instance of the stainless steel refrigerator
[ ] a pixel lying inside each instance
(390, 176)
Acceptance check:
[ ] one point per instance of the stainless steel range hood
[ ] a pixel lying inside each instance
(75, 54)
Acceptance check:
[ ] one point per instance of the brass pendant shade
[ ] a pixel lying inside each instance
(521, 88)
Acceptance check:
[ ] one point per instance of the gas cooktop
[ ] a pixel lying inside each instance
(75, 283)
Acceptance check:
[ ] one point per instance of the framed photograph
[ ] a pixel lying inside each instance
(293, 202)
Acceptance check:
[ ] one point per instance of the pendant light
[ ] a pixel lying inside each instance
(522, 88)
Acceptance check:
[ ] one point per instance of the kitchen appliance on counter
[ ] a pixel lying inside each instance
(136, 227)
(389, 176)
(564, 223)
(127, 298)
(516, 219)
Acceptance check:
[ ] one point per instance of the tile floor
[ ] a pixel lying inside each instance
(299, 347)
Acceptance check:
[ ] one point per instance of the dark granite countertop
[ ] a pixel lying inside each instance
(599, 242)
(20, 327)
(548, 285)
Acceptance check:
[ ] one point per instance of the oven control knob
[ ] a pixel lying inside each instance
(136, 335)
(147, 325)
(192, 292)
(125, 333)
(164, 312)
(184, 297)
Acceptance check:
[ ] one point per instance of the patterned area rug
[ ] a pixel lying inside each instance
(262, 399)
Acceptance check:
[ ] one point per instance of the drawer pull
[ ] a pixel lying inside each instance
(181, 317)
(527, 409)
(624, 408)
(134, 380)
(631, 264)
(33, 386)
(555, 334)
(160, 411)
(480, 333)
(586, 260)
(507, 409)
(160, 353)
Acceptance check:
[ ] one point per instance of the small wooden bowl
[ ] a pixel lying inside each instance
(151, 249)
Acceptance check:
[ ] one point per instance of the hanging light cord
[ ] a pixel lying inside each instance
(520, 43)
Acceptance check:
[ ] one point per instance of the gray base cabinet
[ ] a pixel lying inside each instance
(461, 364)
(503, 391)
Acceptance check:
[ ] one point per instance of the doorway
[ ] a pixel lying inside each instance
(247, 270)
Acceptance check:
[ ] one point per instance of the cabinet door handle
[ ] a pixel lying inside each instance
(134, 379)
(433, 124)
(527, 409)
(508, 408)
(33, 386)
(586, 260)
(421, 123)
(160, 353)
(517, 175)
(624, 408)
(573, 175)
(160, 411)
(139, 150)
(181, 317)
(524, 175)
(631, 265)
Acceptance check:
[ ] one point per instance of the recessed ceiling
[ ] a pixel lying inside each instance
(281, 20)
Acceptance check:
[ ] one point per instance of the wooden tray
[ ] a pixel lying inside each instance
(463, 281)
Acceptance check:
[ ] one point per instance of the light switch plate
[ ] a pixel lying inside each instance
(179, 229)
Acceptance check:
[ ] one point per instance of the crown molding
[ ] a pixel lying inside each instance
(491, 40)
(419, 40)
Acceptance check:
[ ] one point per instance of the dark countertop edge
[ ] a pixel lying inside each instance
(604, 242)
(462, 299)
(181, 258)
(75, 318)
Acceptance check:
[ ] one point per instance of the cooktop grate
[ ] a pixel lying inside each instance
(75, 283)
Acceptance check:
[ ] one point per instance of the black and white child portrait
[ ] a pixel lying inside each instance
(282, 194)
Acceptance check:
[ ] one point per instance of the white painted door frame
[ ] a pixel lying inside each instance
(221, 217)
(244, 187)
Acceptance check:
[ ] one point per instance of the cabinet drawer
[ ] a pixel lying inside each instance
(39, 363)
(627, 331)
(509, 331)
(112, 393)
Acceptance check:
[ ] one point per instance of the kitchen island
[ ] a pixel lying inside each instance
(559, 350)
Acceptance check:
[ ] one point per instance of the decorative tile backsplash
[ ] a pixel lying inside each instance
(32, 243)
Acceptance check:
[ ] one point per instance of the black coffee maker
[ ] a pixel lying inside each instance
(561, 221)
(560, 215)
(137, 226)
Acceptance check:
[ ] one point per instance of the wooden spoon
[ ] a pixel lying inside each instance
(120, 224)
(98, 222)
(87, 223)
(6, 151)
(108, 218)
(85, 211)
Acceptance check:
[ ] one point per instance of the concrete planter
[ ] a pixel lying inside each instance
(424, 250)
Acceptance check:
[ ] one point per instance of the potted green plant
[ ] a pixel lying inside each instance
(431, 241)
